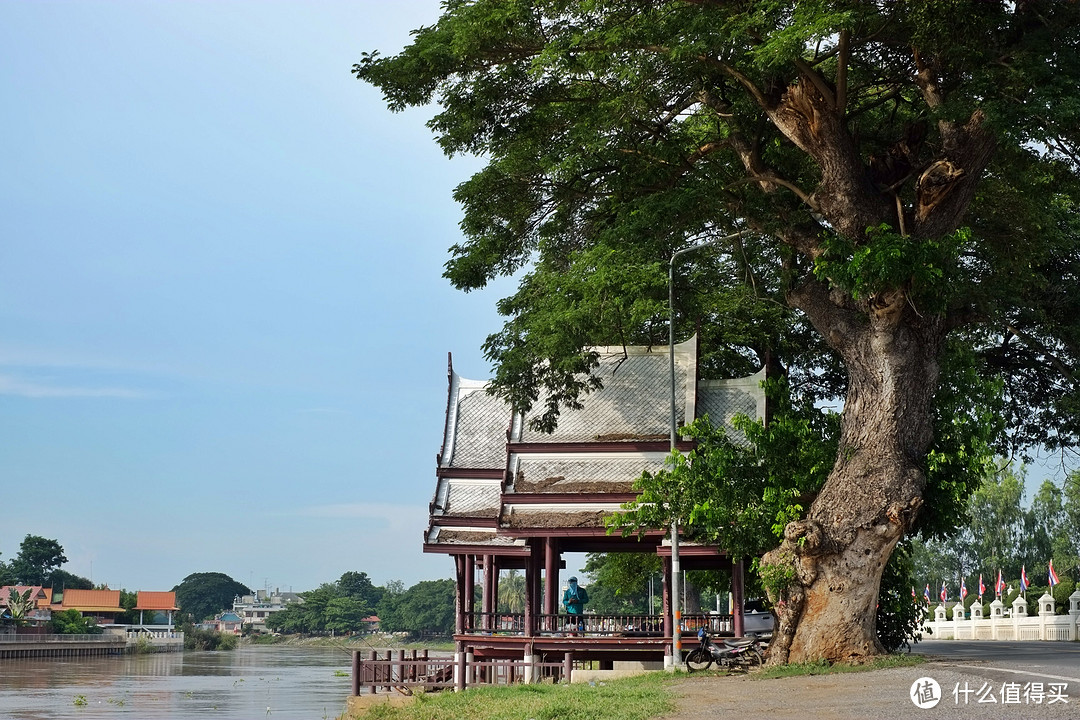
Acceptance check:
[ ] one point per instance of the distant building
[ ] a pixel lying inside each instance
(254, 609)
(101, 605)
(226, 622)
(158, 604)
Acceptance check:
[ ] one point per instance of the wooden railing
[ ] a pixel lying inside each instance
(410, 671)
(626, 625)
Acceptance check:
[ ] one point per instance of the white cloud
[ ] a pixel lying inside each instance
(10, 385)
(413, 516)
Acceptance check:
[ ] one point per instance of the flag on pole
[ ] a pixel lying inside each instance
(963, 589)
(913, 595)
(1023, 579)
(944, 592)
(1000, 584)
(926, 593)
(982, 588)
(1053, 575)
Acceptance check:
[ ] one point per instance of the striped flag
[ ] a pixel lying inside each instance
(926, 593)
(1000, 584)
(944, 594)
(1023, 579)
(982, 588)
(1053, 575)
(963, 589)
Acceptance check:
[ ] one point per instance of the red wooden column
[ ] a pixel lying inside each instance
(470, 591)
(459, 600)
(737, 597)
(488, 593)
(532, 586)
(551, 579)
(495, 570)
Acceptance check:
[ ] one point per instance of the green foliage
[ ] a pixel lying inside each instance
(357, 586)
(967, 427)
(202, 595)
(614, 136)
(198, 639)
(38, 557)
(19, 607)
(886, 259)
(1000, 533)
(898, 614)
(511, 592)
(425, 608)
(63, 580)
(71, 622)
(332, 607)
(619, 582)
(739, 487)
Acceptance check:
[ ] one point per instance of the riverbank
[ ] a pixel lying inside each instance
(378, 641)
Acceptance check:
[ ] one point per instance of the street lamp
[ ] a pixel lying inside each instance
(676, 610)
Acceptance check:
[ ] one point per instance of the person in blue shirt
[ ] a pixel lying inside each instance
(574, 599)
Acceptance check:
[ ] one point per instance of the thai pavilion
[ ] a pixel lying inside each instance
(510, 497)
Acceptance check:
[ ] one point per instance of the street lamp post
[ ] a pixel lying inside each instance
(676, 609)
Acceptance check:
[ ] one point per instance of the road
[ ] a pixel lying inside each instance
(972, 681)
(1030, 657)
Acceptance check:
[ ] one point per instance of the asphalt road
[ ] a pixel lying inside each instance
(1032, 658)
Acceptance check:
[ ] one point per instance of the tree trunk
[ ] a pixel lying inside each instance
(825, 576)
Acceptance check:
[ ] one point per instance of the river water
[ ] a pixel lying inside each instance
(253, 682)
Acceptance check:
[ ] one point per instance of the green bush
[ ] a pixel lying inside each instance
(198, 639)
(71, 622)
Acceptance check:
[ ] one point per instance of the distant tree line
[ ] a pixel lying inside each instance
(1004, 533)
(426, 608)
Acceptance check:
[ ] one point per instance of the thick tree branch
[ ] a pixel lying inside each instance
(841, 70)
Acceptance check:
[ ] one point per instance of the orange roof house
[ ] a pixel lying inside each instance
(156, 602)
(163, 601)
(97, 603)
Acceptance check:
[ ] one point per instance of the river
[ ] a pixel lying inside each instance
(253, 682)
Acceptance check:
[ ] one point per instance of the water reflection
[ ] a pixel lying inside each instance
(300, 683)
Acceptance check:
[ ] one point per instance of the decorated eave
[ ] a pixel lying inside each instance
(501, 482)
(463, 514)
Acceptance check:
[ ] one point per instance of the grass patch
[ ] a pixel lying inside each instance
(635, 698)
(824, 667)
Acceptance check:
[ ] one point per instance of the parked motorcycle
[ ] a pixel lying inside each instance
(730, 654)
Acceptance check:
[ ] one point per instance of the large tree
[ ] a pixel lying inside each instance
(904, 175)
(38, 558)
(200, 595)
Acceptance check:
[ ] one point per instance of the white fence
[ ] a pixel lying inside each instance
(999, 626)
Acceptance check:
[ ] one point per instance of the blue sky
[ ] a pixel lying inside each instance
(223, 327)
